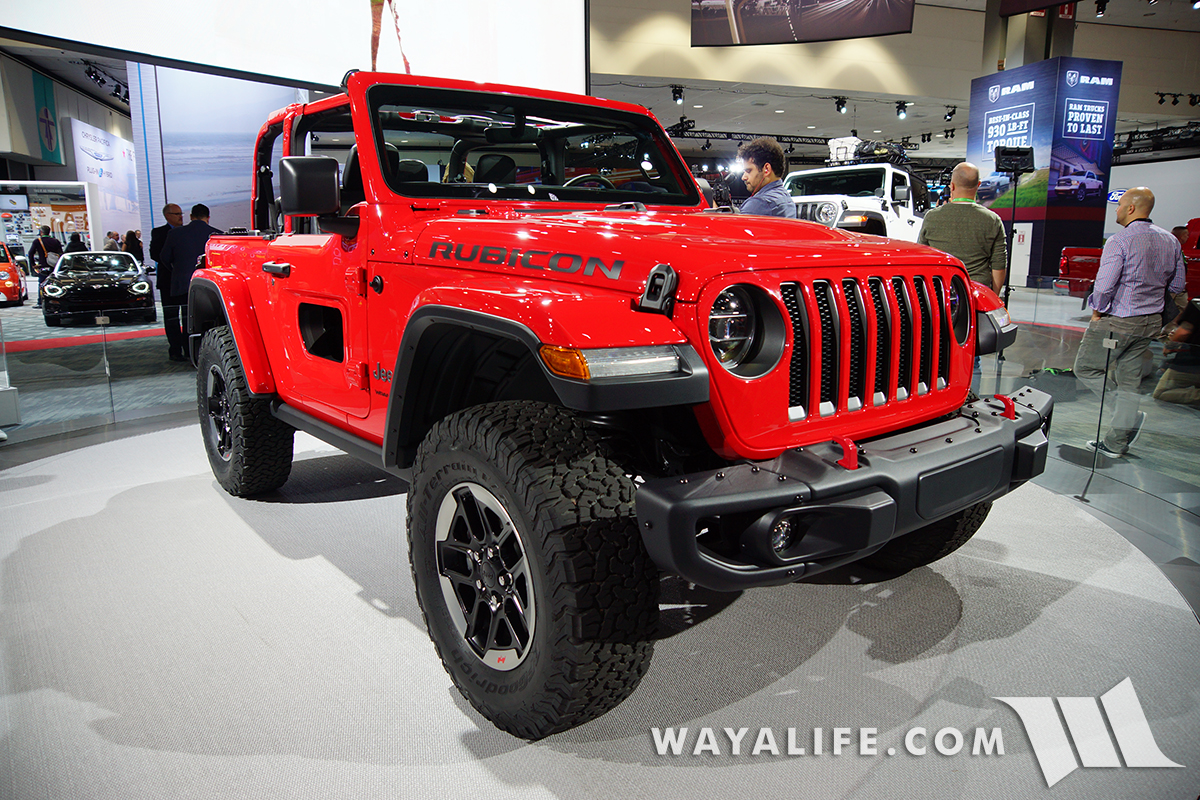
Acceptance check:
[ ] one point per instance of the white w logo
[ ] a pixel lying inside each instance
(1086, 727)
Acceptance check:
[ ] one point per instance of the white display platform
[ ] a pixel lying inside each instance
(162, 639)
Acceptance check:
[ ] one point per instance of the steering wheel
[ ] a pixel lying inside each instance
(591, 176)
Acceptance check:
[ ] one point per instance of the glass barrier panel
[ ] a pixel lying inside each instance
(62, 373)
(145, 380)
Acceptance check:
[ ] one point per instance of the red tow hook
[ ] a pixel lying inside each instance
(1010, 408)
(849, 458)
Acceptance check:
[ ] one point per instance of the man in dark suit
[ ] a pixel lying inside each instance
(182, 250)
(173, 214)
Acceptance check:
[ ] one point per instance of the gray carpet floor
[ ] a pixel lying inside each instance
(162, 639)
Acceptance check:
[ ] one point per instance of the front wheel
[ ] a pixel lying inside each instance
(933, 542)
(530, 572)
(250, 451)
(1081, 194)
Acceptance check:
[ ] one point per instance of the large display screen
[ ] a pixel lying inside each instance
(723, 22)
(537, 43)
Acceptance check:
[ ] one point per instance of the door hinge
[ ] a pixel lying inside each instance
(356, 281)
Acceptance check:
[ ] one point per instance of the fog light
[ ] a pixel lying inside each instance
(783, 534)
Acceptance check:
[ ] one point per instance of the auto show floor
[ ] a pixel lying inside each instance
(162, 639)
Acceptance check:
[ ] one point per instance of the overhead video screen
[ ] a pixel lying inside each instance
(726, 22)
(538, 43)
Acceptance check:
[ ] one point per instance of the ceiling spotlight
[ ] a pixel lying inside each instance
(1194, 99)
(901, 109)
(1101, 6)
(854, 132)
(791, 148)
(1162, 97)
(1175, 100)
(950, 112)
(707, 145)
(677, 95)
(840, 102)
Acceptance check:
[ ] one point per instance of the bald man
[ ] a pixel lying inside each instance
(968, 231)
(176, 341)
(1138, 267)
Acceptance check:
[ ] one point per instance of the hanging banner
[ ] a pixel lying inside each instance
(724, 22)
(47, 119)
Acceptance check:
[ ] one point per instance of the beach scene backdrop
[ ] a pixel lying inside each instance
(209, 126)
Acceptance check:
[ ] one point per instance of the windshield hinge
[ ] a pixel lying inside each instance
(659, 296)
(638, 207)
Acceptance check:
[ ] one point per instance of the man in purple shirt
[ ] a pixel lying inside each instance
(1138, 267)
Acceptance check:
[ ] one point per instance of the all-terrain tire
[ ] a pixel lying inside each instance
(931, 543)
(530, 572)
(250, 450)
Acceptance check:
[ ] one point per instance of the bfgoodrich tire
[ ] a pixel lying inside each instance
(529, 568)
(931, 543)
(250, 451)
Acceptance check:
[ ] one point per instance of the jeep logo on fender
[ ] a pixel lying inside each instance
(530, 259)
(381, 373)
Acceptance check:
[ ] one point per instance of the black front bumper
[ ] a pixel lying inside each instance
(714, 528)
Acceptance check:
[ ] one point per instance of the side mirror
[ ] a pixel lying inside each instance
(707, 190)
(900, 194)
(309, 186)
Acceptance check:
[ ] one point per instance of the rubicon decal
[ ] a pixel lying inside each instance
(1087, 730)
(529, 259)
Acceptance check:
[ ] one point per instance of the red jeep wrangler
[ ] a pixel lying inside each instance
(520, 302)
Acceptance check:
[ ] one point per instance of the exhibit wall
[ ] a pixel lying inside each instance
(1173, 183)
(938, 59)
(19, 121)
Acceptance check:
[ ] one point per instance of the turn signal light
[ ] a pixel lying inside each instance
(566, 362)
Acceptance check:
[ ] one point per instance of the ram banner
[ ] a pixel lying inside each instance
(1065, 109)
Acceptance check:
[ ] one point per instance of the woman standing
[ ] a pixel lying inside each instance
(133, 246)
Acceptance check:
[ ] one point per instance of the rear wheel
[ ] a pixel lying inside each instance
(249, 449)
(529, 568)
(931, 543)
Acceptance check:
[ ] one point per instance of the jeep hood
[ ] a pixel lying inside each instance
(617, 249)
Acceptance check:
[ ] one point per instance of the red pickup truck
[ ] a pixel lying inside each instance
(519, 302)
(1078, 266)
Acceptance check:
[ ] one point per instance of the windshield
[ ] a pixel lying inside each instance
(443, 143)
(96, 262)
(852, 183)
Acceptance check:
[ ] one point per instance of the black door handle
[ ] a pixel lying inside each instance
(377, 284)
(280, 268)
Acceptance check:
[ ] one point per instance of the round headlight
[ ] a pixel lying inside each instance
(4, 275)
(52, 290)
(732, 326)
(140, 287)
(827, 213)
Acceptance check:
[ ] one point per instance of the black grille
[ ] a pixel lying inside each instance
(829, 345)
(798, 377)
(944, 337)
(858, 343)
(905, 371)
(915, 303)
(925, 372)
(883, 339)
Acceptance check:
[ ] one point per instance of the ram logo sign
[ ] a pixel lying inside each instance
(1072, 77)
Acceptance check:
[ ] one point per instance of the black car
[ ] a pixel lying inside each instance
(97, 282)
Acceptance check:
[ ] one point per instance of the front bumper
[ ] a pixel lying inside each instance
(714, 528)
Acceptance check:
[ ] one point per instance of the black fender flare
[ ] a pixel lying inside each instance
(690, 386)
